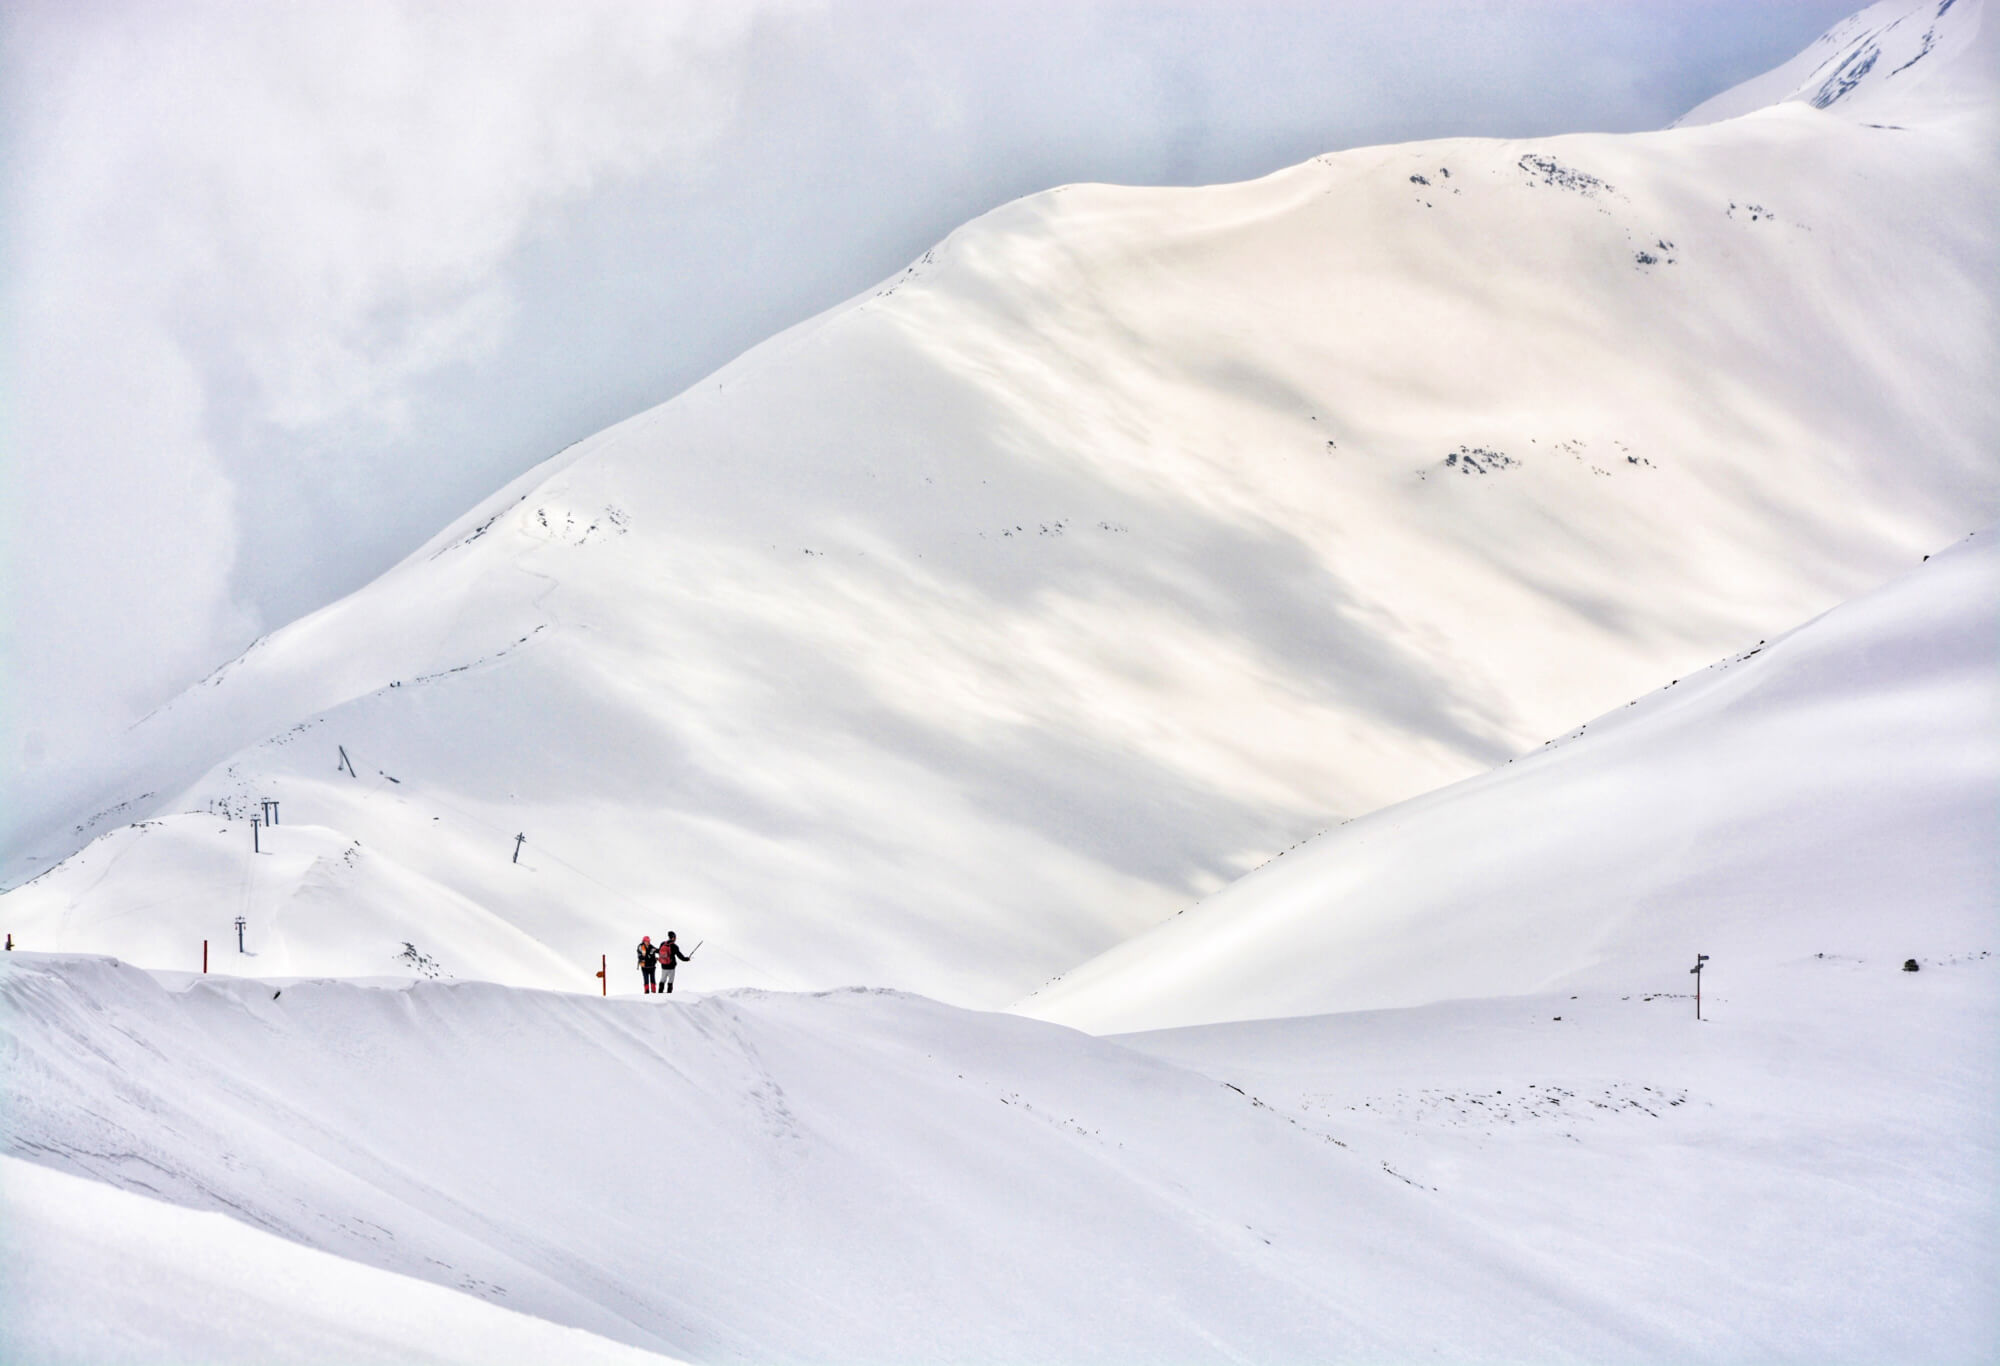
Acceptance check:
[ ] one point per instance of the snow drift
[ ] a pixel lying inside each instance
(864, 1176)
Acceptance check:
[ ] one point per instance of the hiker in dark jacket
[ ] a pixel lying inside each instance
(670, 953)
(649, 959)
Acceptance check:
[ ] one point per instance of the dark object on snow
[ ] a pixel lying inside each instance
(670, 954)
(1909, 965)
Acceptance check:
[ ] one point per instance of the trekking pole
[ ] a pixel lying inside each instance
(697, 947)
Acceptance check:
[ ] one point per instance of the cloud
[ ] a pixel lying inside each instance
(242, 223)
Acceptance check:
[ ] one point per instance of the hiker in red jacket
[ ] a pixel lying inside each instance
(649, 959)
(670, 953)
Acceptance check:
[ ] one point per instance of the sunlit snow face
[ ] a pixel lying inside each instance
(292, 287)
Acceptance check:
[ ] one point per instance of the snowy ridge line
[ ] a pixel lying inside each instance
(1800, 798)
(1542, 1176)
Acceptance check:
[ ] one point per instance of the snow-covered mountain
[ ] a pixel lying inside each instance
(959, 634)
(1834, 792)
(950, 637)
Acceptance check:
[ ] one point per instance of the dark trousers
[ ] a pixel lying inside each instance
(646, 971)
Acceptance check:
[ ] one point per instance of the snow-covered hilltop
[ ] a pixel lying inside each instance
(957, 635)
(1834, 792)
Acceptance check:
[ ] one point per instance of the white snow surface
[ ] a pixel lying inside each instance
(867, 1176)
(1836, 790)
(957, 635)
(1321, 490)
(91, 1272)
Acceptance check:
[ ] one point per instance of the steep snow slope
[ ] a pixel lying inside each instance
(869, 1177)
(92, 1273)
(1836, 791)
(962, 632)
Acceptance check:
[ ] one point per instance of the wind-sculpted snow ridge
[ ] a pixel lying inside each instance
(1834, 791)
(92, 1273)
(957, 635)
(869, 1176)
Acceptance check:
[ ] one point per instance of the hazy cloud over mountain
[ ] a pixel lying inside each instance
(287, 286)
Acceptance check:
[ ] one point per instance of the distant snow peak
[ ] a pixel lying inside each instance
(1876, 54)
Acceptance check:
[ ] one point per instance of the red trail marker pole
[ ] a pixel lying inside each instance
(204, 955)
(603, 974)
